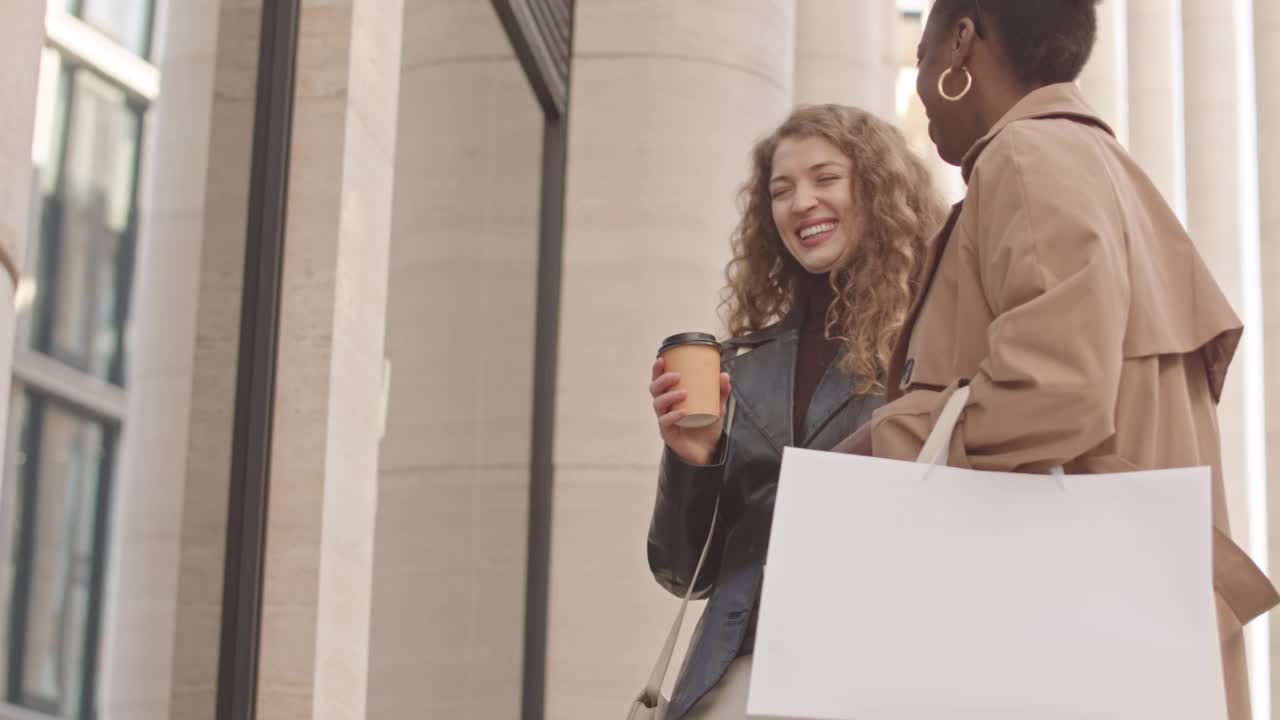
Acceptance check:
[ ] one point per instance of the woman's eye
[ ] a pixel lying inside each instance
(776, 194)
(828, 179)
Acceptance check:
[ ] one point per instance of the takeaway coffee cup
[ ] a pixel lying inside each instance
(696, 356)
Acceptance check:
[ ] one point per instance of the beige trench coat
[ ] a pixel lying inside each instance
(1066, 293)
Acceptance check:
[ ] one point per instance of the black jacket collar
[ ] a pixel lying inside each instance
(766, 369)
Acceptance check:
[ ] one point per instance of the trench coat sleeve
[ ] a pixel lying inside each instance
(1049, 247)
(681, 519)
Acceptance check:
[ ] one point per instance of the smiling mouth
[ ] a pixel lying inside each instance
(816, 234)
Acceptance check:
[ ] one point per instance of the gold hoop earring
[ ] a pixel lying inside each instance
(968, 83)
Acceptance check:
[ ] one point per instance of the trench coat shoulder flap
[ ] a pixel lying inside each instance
(1063, 148)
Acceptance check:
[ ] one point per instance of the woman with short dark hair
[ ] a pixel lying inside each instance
(1062, 290)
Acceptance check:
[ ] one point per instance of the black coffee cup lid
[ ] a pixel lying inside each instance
(689, 338)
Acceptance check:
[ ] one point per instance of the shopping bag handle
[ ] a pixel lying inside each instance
(938, 444)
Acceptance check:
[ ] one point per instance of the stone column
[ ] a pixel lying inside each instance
(1222, 216)
(449, 566)
(1266, 22)
(667, 100)
(1155, 96)
(1215, 216)
(163, 604)
(21, 37)
(1105, 80)
(329, 391)
(846, 53)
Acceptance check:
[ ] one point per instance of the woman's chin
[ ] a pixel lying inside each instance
(948, 157)
(817, 266)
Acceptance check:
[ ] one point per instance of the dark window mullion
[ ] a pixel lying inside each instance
(29, 482)
(555, 142)
(256, 364)
(126, 256)
(47, 273)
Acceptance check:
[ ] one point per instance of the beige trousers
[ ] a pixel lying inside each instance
(728, 699)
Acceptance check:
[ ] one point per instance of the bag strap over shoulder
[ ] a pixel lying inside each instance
(653, 689)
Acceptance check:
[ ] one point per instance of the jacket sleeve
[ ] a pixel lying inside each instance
(682, 515)
(1050, 253)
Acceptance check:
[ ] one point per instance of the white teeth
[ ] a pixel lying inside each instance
(815, 229)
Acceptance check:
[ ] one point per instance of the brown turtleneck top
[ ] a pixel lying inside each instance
(814, 355)
(816, 351)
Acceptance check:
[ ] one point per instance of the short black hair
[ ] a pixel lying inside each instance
(1048, 41)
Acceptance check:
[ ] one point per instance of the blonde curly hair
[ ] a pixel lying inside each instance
(875, 283)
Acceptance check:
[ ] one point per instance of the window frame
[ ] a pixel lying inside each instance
(51, 237)
(43, 381)
(30, 437)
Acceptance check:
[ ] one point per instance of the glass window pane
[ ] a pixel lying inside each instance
(87, 227)
(128, 22)
(60, 469)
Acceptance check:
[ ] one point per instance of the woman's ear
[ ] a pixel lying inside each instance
(963, 37)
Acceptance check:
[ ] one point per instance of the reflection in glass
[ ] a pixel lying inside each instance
(62, 469)
(85, 245)
(128, 22)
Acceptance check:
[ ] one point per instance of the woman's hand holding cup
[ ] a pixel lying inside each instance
(686, 400)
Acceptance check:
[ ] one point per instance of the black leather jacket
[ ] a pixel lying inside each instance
(745, 478)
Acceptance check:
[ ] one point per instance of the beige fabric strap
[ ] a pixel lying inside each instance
(938, 444)
(1242, 584)
(9, 264)
(659, 673)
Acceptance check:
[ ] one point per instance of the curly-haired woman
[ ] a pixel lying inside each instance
(826, 262)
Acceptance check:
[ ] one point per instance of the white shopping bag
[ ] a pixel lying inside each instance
(898, 590)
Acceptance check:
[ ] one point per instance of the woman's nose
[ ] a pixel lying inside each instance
(803, 199)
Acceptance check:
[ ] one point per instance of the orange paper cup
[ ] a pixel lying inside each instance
(696, 356)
